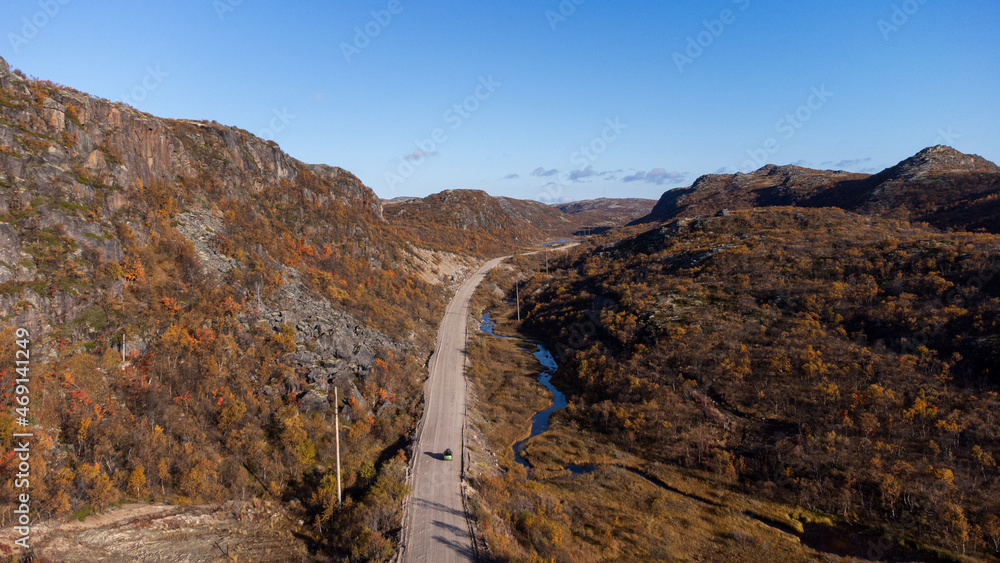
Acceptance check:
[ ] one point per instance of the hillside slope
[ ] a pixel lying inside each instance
(938, 185)
(474, 222)
(816, 357)
(607, 212)
(193, 296)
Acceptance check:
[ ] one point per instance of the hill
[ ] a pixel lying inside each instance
(814, 357)
(606, 212)
(474, 222)
(939, 186)
(193, 295)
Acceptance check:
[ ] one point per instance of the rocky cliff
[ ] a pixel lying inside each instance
(76, 164)
(193, 296)
(56, 135)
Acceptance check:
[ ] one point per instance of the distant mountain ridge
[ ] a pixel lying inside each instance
(476, 222)
(607, 212)
(939, 185)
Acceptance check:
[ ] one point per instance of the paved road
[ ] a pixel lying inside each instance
(435, 527)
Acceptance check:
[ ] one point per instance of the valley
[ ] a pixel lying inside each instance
(786, 364)
(682, 348)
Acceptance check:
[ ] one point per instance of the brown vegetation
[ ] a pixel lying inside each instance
(939, 185)
(207, 407)
(813, 357)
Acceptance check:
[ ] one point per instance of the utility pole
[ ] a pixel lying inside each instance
(517, 288)
(336, 425)
(123, 344)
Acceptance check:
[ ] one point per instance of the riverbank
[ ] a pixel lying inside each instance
(587, 500)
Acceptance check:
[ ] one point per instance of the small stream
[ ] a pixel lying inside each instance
(839, 540)
(539, 422)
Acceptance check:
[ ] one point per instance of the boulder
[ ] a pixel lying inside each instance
(365, 357)
(302, 357)
(313, 402)
(319, 379)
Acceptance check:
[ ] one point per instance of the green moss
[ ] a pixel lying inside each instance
(101, 237)
(70, 208)
(94, 317)
(74, 286)
(63, 331)
(83, 513)
(10, 288)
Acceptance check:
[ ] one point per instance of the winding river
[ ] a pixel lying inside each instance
(539, 422)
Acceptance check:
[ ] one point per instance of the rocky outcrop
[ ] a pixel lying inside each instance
(118, 145)
(70, 163)
(10, 245)
(939, 185)
(333, 348)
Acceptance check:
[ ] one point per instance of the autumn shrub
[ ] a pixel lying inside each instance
(813, 354)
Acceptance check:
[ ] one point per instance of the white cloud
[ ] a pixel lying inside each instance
(658, 176)
(541, 172)
(420, 154)
(578, 175)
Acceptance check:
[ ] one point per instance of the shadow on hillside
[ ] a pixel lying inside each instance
(591, 231)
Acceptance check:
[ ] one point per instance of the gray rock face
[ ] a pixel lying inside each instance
(90, 158)
(313, 402)
(10, 245)
(319, 379)
(90, 234)
(119, 145)
(34, 316)
(334, 348)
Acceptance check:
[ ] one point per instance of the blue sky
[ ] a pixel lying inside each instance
(550, 99)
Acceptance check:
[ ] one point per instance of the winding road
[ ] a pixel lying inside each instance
(435, 528)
